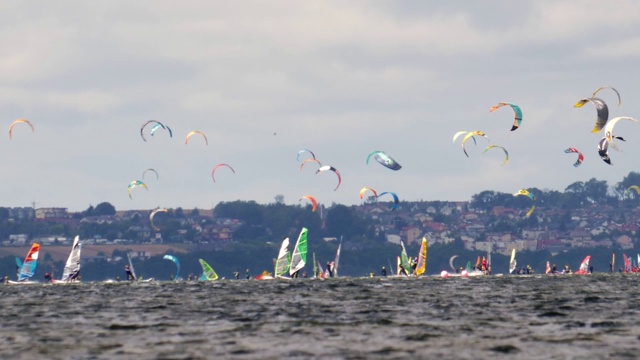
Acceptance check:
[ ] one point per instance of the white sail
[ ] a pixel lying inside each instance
(337, 260)
(512, 263)
(133, 272)
(72, 267)
(282, 263)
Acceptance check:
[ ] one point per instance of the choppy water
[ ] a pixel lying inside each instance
(539, 317)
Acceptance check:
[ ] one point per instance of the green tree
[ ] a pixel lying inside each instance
(104, 208)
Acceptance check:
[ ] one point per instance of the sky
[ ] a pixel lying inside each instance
(264, 80)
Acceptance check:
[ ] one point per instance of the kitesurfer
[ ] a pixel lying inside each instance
(248, 274)
(129, 273)
(236, 275)
(383, 272)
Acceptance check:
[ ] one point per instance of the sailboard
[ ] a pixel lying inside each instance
(299, 256)
(72, 267)
(584, 266)
(133, 272)
(284, 260)
(404, 260)
(175, 261)
(422, 258)
(337, 259)
(208, 274)
(29, 264)
(512, 262)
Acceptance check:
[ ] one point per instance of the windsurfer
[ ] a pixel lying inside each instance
(129, 273)
(47, 277)
(330, 268)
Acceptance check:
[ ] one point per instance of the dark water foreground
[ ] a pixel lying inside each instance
(564, 317)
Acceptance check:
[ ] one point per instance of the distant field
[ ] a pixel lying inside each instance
(61, 252)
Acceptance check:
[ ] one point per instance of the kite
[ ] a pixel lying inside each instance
(524, 192)
(384, 159)
(153, 213)
(601, 108)
(157, 125)
(608, 87)
(331, 168)
(395, 199)
(506, 154)
(135, 184)
(152, 170)
(516, 109)
(18, 121)
(471, 134)
(217, 167)
(314, 203)
(189, 135)
(364, 190)
(310, 160)
(634, 187)
(313, 156)
(608, 129)
(580, 156)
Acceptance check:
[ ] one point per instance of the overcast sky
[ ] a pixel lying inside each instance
(264, 80)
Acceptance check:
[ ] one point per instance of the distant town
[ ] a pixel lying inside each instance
(586, 215)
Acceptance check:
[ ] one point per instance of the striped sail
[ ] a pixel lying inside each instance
(299, 256)
(29, 265)
(72, 267)
(337, 260)
(284, 259)
(404, 259)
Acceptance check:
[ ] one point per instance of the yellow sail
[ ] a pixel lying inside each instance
(422, 258)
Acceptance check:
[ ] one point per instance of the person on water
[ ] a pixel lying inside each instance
(384, 271)
(330, 268)
(129, 273)
(47, 277)
(236, 275)
(554, 269)
(248, 274)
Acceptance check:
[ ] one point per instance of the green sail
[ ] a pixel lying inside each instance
(404, 259)
(299, 256)
(284, 259)
(207, 272)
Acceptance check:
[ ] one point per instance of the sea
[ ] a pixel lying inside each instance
(494, 317)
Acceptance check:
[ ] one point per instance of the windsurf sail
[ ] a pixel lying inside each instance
(284, 259)
(512, 262)
(469, 268)
(422, 258)
(316, 274)
(398, 266)
(321, 272)
(133, 272)
(613, 262)
(72, 267)
(404, 260)
(175, 261)
(584, 267)
(548, 269)
(337, 259)
(627, 263)
(299, 256)
(208, 274)
(29, 265)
